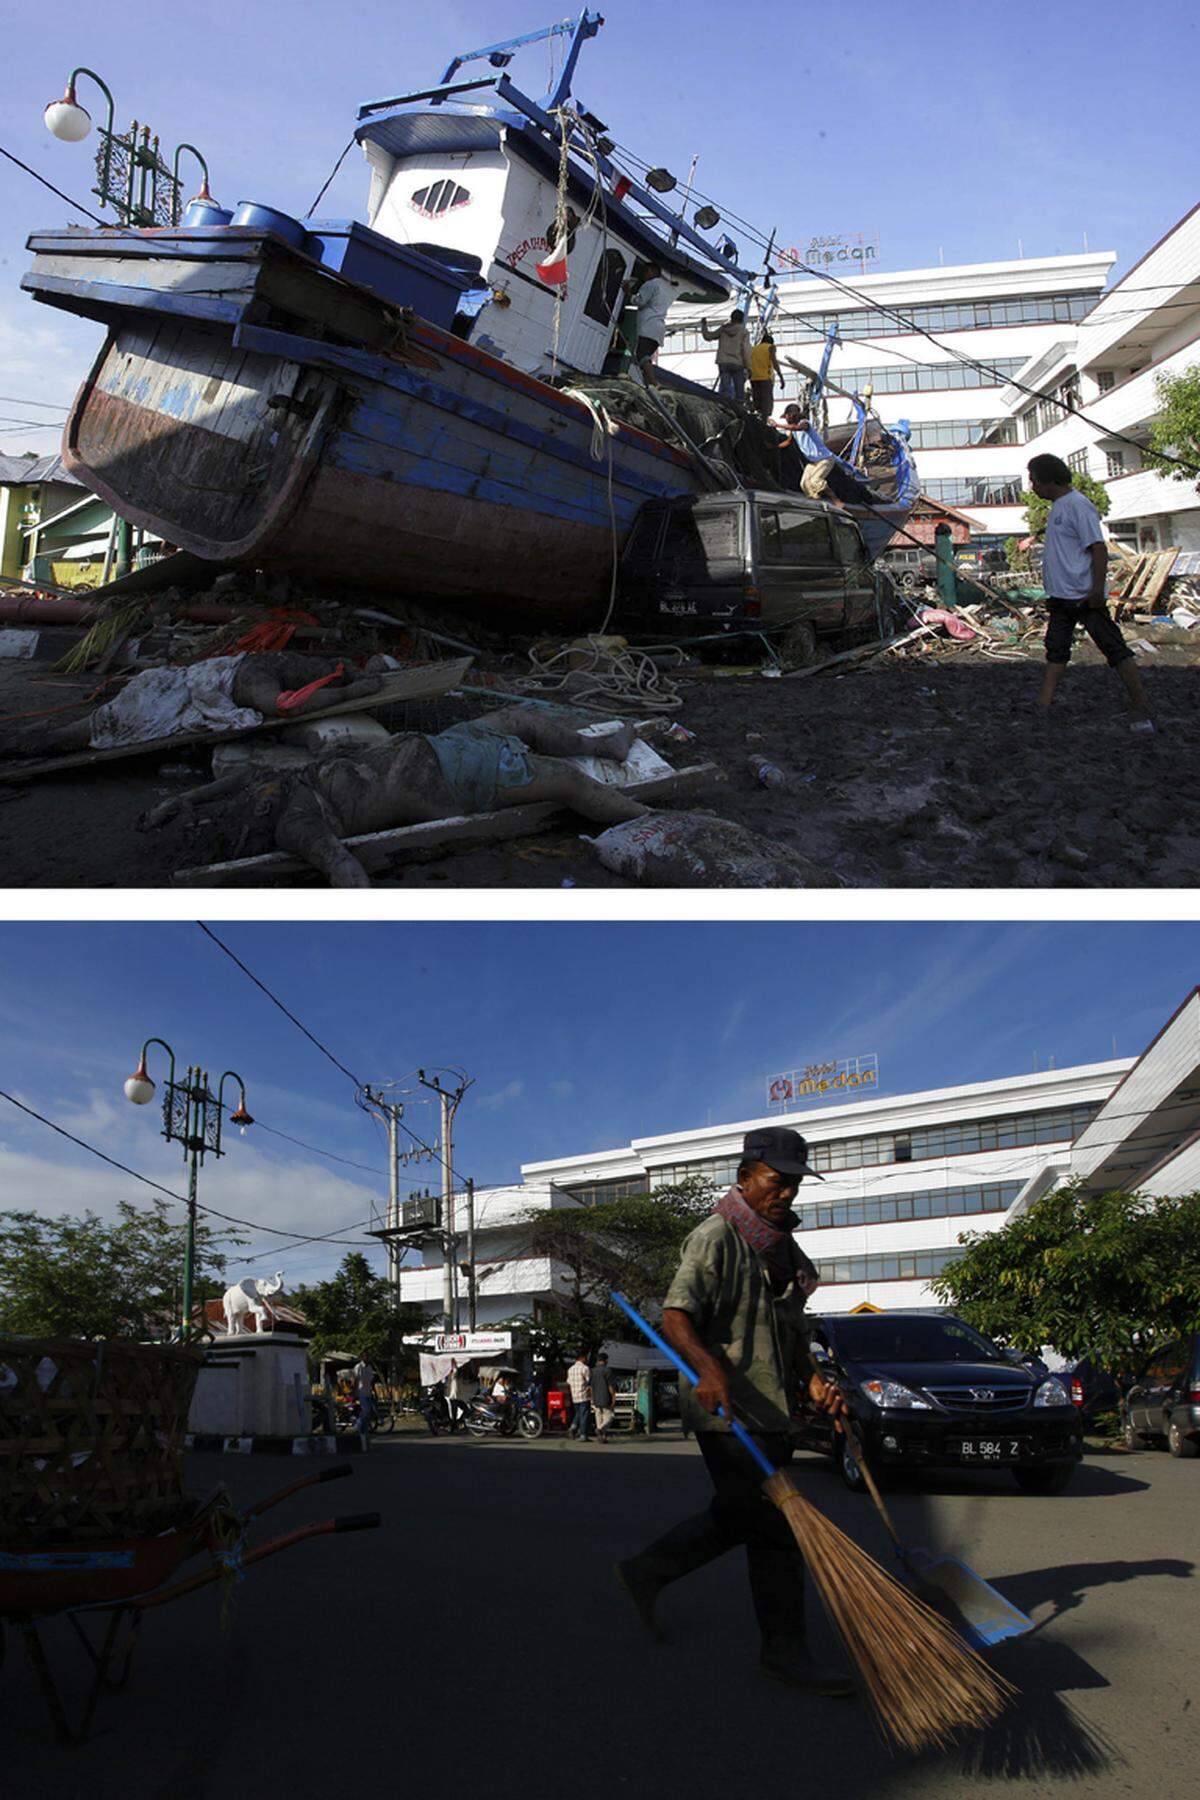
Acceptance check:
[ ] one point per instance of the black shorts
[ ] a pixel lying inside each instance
(646, 348)
(1101, 627)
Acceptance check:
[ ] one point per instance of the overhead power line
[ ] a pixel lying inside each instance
(50, 185)
(229, 1218)
(276, 1001)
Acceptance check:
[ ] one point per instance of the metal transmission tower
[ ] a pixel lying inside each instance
(422, 1218)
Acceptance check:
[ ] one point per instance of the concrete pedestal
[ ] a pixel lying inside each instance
(253, 1386)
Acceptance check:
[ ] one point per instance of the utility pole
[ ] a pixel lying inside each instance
(450, 1099)
(470, 1253)
(393, 1111)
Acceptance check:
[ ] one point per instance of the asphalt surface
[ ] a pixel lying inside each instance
(478, 1644)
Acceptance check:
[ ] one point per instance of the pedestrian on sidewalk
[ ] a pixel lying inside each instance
(1074, 567)
(735, 1312)
(364, 1381)
(579, 1380)
(602, 1398)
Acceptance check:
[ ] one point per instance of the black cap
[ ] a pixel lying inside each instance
(781, 1148)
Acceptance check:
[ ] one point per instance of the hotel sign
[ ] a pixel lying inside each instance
(816, 1081)
(852, 250)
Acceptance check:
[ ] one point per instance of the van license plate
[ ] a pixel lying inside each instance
(987, 1449)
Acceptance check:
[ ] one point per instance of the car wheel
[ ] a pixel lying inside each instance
(800, 644)
(1133, 1439)
(1045, 1481)
(848, 1468)
(1177, 1443)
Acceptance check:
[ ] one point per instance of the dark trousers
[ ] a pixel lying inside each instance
(739, 1513)
(1062, 618)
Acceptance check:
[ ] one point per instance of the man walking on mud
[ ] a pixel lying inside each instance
(1074, 567)
(735, 1312)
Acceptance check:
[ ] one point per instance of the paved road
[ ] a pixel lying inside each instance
(478, 1645)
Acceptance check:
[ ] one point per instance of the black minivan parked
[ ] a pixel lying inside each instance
(747, 560)
(1163, 1400)
(927, 1391)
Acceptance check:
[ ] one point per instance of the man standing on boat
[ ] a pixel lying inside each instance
(764, 372)
(652, 298)
(733, 356)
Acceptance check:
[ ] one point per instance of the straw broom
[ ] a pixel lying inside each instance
(924, 1684)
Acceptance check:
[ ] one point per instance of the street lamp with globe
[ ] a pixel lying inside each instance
(192, 1116)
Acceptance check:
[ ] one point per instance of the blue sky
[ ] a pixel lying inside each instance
(579, 1036)
(952, 128)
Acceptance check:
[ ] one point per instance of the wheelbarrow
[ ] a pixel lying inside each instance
(121, 1580)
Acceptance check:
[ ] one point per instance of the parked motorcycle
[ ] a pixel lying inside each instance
(435, 1409)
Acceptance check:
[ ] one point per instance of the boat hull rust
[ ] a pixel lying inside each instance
(444, 473)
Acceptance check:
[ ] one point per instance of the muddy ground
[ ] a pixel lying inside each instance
(927, 771)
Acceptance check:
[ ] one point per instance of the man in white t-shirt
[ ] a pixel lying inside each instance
(652, 299)
(1074, 566)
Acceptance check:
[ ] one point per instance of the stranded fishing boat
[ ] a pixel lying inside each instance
(439, 403)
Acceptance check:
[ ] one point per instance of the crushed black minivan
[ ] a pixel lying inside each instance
(748, 560)
(929, 1392)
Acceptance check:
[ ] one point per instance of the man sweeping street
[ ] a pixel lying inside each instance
(735, 1312)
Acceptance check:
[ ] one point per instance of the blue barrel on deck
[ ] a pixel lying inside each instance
(267, 218)
(204, 212)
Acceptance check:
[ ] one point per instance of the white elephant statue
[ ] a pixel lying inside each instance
(250, 1296)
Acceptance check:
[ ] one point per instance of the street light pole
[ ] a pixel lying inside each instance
(131, 175)
(192, 1116)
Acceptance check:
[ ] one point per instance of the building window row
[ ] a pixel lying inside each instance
(917, 1265)
(951, 434)
(926, 378)
(924, 1203)
(872, 322)
(961, 1139)
(1009, 1132)
(965, 315)
(981, 490)
(599, 1193)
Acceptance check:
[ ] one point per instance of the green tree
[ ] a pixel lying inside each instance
(1103, 1275)
(355, 1311)
(632, 1244)
(1176, 430)
(1038, 511)
(91, 1277)
(1014, 555)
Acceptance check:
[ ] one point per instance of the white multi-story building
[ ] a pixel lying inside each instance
(1146, 326)
(903, 1176)
(1004, 315)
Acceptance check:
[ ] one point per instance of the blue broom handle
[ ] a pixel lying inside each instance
(689, 1374)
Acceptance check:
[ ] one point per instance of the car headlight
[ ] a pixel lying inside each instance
(891, 1393)
(1052, 1393)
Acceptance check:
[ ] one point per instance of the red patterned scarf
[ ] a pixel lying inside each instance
(779, 1250)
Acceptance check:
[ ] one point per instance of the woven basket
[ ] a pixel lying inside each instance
(91, 1438)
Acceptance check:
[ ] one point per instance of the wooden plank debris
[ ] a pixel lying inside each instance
(428, 682)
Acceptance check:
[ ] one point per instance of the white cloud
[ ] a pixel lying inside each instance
(501, 1096)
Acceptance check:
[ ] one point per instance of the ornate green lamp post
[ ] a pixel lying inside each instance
(131, 176)
(191, 1117)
